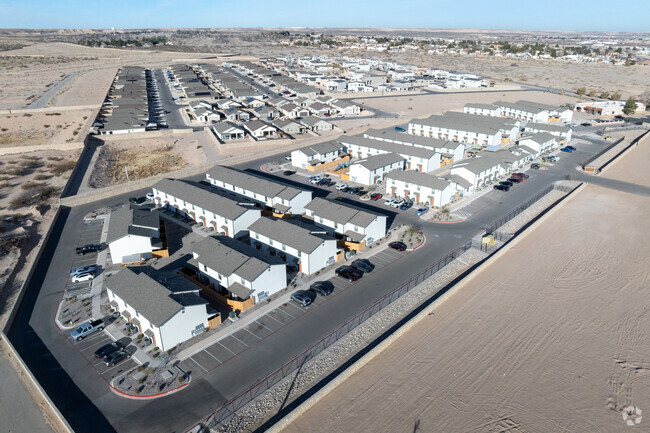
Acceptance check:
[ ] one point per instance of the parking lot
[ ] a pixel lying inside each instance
(89, 234)
(90, 344)
(230, 346)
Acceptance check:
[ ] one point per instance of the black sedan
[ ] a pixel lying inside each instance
(116, 357)
(322, 287)
(363, 264)
(506, 183)
(399, 246)
(502, 187)
(349, 272)
(90, 248)
(289, 172)
(137, 200)
(107, 349)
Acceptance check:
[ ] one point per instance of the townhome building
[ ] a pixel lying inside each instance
(316, 154)
(356, 228)
(271, 195)
(307, 250)
(373, 170)
(236, 270)
(166, 314)
(450, 151)
(417, 158)
(466, 128)
(492, 110)
(133, 234)
(542, 142)
(421, 187)
(563, 133)
(195, 202)
(479, 170)
(535, 112)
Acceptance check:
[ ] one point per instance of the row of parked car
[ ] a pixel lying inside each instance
(514, 179)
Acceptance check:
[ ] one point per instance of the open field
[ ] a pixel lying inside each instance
(558, 347)
(44, 128)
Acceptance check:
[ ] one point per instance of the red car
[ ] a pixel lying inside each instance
(520, 175)
(376, 196)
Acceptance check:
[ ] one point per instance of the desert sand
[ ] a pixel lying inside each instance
(551, 337)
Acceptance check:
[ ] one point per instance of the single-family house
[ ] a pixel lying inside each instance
(316, 154)
(261, 130)
(315, 124)
(346, 108)
(227, 131)
(289, 127)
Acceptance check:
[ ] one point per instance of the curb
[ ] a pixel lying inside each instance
(147, 397)
(446, 222)
(424, 240)
(322, 393)
(58, 322)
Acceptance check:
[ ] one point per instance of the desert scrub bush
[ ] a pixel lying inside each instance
(31, 185)
(41, 176)
(30, 164)
(33, 197)
(60, 167)
(54, 158)
(4, 185)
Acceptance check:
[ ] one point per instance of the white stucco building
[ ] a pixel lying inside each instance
(421, 187)
(206, 207)
(133, 234)
(308, 250)
(373, 170)
(450, 151)
(272, 195)
(416, 158)
(238, 270)
(315, 154)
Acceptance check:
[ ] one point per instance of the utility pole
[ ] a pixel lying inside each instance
(126, 170)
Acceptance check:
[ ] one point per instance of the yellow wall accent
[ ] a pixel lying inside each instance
(326, 165)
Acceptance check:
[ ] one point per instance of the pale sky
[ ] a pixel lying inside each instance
(581, 15)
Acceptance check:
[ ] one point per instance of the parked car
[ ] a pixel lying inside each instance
(341, 186)
(116, 357)
(571, 147)
(348, 272)
(79, 278)
(339, 116)
(353, 190)
(83, 270)
(363, 265)
(400, 129)
(501, 187)
(287, 157)
(137, 200)
(323, 288)
(399, 246)
(506, 183)
(359, 191)
(388, 201)
(520, 175)
(107, 349)
(515, 180)
(422, 211)
(585, 124)
(535, 166)
(406, 205)
(396, 202)
(90, 248)
(289, 172)
(149, 196)
(566, 149)
(315, 180)
(302, 298)
(86, 329)
(376, 196)
(553, 158)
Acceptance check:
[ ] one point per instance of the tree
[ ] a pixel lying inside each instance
(630, 106)
(616, 96)
(554, 53)
(592, 93)
(581, 91)
(604, 95)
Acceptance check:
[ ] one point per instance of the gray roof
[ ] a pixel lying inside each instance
(287, 233)
(265, 187)
(256, 124)
(546, 127)
(465, 122)
(377, 161)
(229, 256)
(390, 134)
(342, 214)
(202, 197)
(482, 106)
(312, 121)
(459, 180)
(417, 178)
(132, 221)
(479, 164)
(321, 148)
(540, 137)
(146, 296)
(528, 106)
(388, 146)
(224, 127)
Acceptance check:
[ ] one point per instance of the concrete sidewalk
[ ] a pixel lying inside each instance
(303, 283)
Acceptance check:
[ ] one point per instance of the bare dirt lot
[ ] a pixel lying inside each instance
(24, 129)
(551, 337)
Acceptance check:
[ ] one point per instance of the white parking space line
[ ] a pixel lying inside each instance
(262, 325)
(213, 356)
(115, 366)
(202, 368)
(224, 346)
(268, 315)
(251, 334)
(296, 307)
(287, 313)
(233, 336)
(96, 344)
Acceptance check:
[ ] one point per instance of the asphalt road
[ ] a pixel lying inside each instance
(174, 118)
(82, 395)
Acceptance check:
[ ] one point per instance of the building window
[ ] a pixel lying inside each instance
(257, 236)
(243, 281)
(270, 241)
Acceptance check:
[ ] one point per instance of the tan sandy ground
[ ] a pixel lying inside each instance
(43, 128)
(558, 347)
